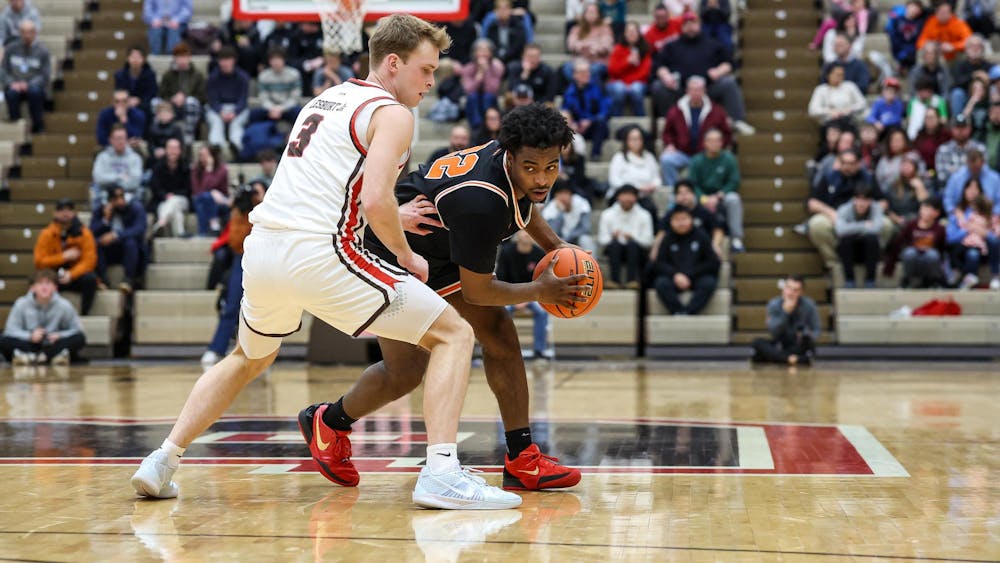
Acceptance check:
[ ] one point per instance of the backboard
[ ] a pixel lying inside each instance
(303, 10)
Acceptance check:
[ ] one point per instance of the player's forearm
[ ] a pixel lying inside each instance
(383, 218)
(500, 293)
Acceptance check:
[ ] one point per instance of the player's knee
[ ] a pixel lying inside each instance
(449, 328)
(498, 335)
(249, 368)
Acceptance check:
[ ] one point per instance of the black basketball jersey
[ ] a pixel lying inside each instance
(477, 204)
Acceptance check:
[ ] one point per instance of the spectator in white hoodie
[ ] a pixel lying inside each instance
(625, 232)
(637, 166)
(837, 101)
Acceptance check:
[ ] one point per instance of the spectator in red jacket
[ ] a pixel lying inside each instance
(664, 28)
(628, 71)
(684, 132)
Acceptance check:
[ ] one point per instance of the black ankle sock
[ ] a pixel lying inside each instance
(336, 418)
(518, 440)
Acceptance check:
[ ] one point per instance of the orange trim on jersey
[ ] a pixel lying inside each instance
(347, 240)
(476, 183)
(448, 290)
(354, 117)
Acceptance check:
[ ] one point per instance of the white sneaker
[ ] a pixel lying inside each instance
(744, 128)
(209, 359)
(444, 535)
(995, 283)
(969, 281)
(460, 490)
(22, 358)
(61, 359)
(41, 359)
(152, 479)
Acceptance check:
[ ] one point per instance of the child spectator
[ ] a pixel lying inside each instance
(920, 246)
(971, 239)
(166, 21)
(42, 326)
(68, 245)
(481, 81)
(170, 190)
(685, 262)
(210, 189)
(589, 106)
(119, 227)
(887, 111)
(636, 166)
(516, 264)
(628, 72)
(138, 79)
(904, 30)
(569, 215)
(715, 175)
(625, 232)
(858, 226)
(793, 325)
(183, 86)
(946, 29)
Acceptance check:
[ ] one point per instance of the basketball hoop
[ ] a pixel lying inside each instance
(342, 21)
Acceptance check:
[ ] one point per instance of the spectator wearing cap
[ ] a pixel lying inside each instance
(993, 135)
(183, 86)
(888, 109)
(857, 227)
(925, 101)
(792, 324)
(67, 245)
(946, 29)
(636, 166)
(591, 39)
(626, 232)
(589, 105)
(117, 165)
(904, 30)
(42, 325)
(228, 92)
(138, 79)
(696, 54)
(569, 215)
(963, 71)
(855, 70)
(481, 81)
(931, 69)
(920, 246)
(951, 155)
(166, 21)
(119, 227)
(458, 140)
(508, 32)
(685, 128)
(530, 70)
(715, 175)
(973, 168)
(628, 72)
(834, 190)
(278, 90)
(25, 71)
(838, 101)
(332, 73)
(132, 119)
(521, 95)
(685, 261)
(11, 18)
(663, 29)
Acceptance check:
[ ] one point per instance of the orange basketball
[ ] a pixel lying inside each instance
(573, 261)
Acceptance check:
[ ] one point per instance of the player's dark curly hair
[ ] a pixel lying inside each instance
(535, 126)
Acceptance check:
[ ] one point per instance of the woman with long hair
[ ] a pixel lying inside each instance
(592, 39)
(637, 166)
(628, 72)
(971, 238)
(210, 189)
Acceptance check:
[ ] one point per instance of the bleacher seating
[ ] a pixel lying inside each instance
(863, 317)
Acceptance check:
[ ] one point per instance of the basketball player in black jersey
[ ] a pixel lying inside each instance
(457, 211)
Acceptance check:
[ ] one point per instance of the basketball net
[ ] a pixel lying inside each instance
(342, 21)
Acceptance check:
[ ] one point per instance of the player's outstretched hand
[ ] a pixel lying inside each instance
(416, 265)
(560, 291)
(418, 214)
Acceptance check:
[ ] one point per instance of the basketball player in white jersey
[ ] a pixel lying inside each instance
(305, 254)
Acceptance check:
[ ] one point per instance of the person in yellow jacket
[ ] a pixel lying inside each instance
(67, 245)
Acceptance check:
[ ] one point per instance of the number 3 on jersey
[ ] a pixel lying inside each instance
(455, 164)
(309, 126)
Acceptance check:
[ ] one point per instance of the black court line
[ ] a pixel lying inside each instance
(501, 542)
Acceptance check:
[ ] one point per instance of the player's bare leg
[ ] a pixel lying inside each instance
(450, 341)
(211, 396)
(400, 372)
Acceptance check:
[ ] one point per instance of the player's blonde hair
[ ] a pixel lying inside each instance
(402, 34)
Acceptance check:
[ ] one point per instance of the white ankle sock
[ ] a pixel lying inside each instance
(443, 458)
(174, 453)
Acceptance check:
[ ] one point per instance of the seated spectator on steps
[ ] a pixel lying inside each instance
(975, 167)
(42, 326)
(684, 196)
(210, 190)
(170, 190)
(481, 79)
(516, 264)
(569, 215)
(920, 246)
(951, 156)
(628, 72)
(268, 160)
(887, 111)
(895, 149)
(490, 129)
(625, 232)
(164, 127)
(903, 31)
(117, 165)
(715, 175)
(166, 21)
(573, 170)
(120, 113)
(834, 190)
(946, 29)
(685, 262)
(932, 70)
(793, 325)
(637, 166)
(138, 79)
(971, 239)
(930, 137)
(183, 86)
(663, 29)
(715, 17)
(844, 141)
(905, 194)
(67, 245)
(534, 72)
(838, 101)
(846, 27)
(855, 69)
(917, 109)
(458, 139)
(978, 15)
(858, 225)
(332, 73)
(590, 107)
(11, 18)
(25, 69)
(591, 40)
(509, 33)
(278, 90)
(685, 129)
(962, 72)
(119, 226)
(228, 92)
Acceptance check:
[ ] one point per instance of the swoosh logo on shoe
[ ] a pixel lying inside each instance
(526, 472)
(319, 437)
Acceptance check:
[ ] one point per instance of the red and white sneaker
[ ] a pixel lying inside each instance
(330, 448)
(532, 470)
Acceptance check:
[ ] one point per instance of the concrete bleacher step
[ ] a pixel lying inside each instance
(17, 263)
(754, 317)
(768, 144)
(718, 305)
(877, 302)
(80, 123)
(691, 329)
(176, 276)
(775, 238)
(612, 321)
(780, 78)
(56, 167)
(81, 99)
(14, 131)
(89, 81)
(774, 213)
(54, 144)
(36, 190)
(762, 290)
(107, 302)
(99, 331)
(770, 57)
(863, 318)
(21, 214)
(776, 164)
(18, 238)
(182, 303)
(12, 288)
(774, 35)
(779, 121)
(772, 98)
(748, 336)
(777, 263)
(99, 59)
(774, 188)
(182, 251)
(110, 19)
(779, 16)
(7, 152)
(55, 24)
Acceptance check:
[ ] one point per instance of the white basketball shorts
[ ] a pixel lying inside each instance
(287, 272)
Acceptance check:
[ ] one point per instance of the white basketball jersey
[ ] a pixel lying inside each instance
(317, 185)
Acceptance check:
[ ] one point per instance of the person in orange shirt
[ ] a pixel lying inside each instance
(68, 246)
(948, 30)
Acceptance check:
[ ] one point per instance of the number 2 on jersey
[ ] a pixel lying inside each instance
(309, 126)
(455, 164)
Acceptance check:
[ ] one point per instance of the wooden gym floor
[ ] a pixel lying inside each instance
(861, 462)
